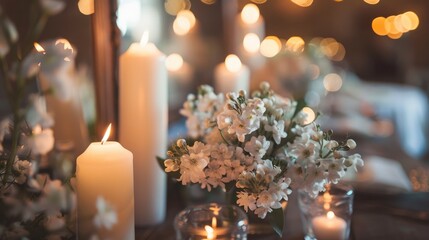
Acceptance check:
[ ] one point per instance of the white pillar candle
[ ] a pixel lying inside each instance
(105, 170)
(329, 227)
(143, 119)
(231, 76)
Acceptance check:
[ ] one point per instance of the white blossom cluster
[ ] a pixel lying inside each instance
(262, 145)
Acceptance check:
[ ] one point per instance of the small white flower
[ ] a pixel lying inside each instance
(106, 216)
(278, 130)
(23, 167)
(246, 200)
(257, 146)
(171, 165)
(351, 143)
(332, 144)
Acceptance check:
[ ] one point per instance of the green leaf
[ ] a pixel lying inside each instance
(276, 219)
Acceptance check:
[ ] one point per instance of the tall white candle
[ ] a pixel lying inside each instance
(329, 227)
(231, 76)
(143, 120)
(105, 170)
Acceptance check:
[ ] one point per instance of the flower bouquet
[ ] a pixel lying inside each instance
(260, 147)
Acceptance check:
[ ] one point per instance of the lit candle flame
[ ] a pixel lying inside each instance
(330, 215)
(39, 48)
(145, 38)
(107, 134)
(210, 232)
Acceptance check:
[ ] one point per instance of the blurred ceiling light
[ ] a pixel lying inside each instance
(251, 43)
(174, 62)
(250, 13)
(303, 3)
(372, 2)
(270, 46)
(232, 63)
(86, 7)
(332, 82)
(173, 7)
(208, 2)
(311, 115)
(181, 26)
(413, 18)
(378, 26)
(190, 17)
(295, 44)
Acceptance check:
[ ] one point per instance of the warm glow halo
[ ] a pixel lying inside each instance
(174, 62)
(250, 13)
(270, 46)
(330, 215)
(189, 16)
(251, 42)
(107, 134)
(232, 63)
(66, 44)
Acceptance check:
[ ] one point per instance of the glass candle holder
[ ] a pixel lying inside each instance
(327, 216)
(211, 221)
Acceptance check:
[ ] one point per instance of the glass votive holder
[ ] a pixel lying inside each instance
(328, 216)
(211, 221)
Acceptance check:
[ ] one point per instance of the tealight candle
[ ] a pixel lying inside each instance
(329, 227)
(105, 170)
(231, 76)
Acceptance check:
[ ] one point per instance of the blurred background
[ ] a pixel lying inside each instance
(364, 64)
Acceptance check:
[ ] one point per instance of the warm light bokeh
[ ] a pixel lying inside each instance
(250, 13)
(174, 62)
(332, 82)
(303, 3)
(86, 7)
(295, 44)
(181, 26)
(270, 46)
(189, 16)
(232, 63)
(395, 25)
(251, 43)
(311, 115)
(372, 2)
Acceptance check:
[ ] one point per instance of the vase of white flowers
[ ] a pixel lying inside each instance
(32, 204)
(262, 145)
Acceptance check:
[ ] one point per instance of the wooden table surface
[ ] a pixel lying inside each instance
(376, 215)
